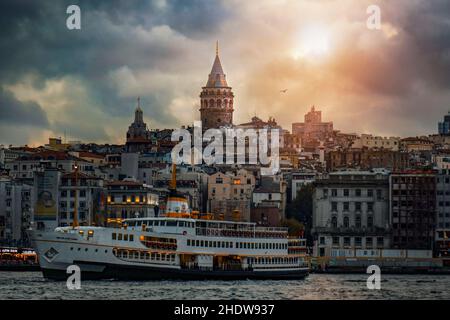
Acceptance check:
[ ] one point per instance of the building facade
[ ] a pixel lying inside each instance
(216, 99)
(351, 211)
(138, 136)
(442, 233)
(313, 127)
(230, 191)
(370, 141)
(84, 192)
(16, 211)
(365, 159)
(130, 199)
(413, 209)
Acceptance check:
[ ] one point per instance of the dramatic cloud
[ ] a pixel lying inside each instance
(17, 113)
(84, 83)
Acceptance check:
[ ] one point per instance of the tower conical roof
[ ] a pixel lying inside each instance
(217, 78)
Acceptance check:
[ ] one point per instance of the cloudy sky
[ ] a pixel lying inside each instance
(84, 83)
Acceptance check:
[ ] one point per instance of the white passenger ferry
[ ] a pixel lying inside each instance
(180, 245)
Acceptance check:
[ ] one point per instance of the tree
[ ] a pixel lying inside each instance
(295, 228)
(301, 209)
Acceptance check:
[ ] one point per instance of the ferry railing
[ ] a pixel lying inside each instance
(259, 233)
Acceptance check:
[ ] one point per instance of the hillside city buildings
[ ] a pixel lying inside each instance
(368, 192)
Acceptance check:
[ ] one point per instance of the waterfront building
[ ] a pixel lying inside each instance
(130, 199)
(230, 191)
(413, 209)
(351, 211)
(216, 98)
(16, 211)
(442, 233)
(83, 193)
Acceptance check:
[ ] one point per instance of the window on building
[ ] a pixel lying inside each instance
(369, 221)
(335, 241)
(380, 241)
(346, 192)
(334, 192)
(334, 206)
(346, 241)
(346, 206)
(334, 222)
(346, 222)
(358, 206)
(379, 194)
(358, 221)
(358, 192)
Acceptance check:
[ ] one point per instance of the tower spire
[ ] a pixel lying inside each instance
(217, 47)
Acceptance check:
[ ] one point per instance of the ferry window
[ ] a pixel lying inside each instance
(162, 223)
(139, 223)
(197, 243)
(147, 256)
(206, 244)
(231, 244)
(150, 222)
(125, 237)
(201, 243)
(136, 255)
(120, 237)
(214, 244)
(189, 242)
(131, 237)
(142, 255)
(114, 236)
(181, 223)
(156, 223)
(153, 256)
(163, 257)
(171, 223)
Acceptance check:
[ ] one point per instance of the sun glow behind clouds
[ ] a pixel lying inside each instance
(313, 41)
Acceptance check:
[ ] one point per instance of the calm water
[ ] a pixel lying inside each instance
(31, 285)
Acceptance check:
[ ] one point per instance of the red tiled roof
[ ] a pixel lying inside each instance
(85, 154)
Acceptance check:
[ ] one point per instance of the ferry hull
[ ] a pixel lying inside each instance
(132, 273)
